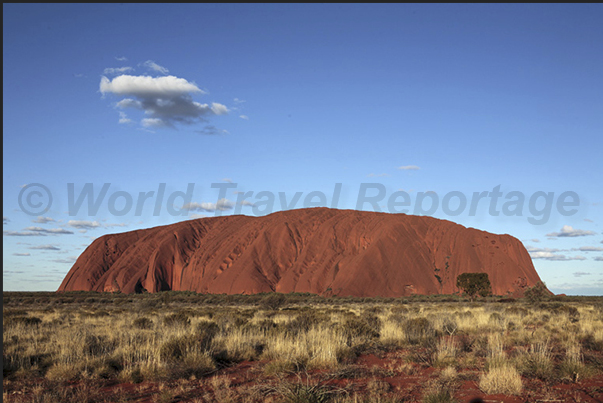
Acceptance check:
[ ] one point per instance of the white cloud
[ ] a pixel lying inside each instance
(44, 247)
(81, 224)
(121, 59)
(218, 109)
(222, 205)
(122, 224)
(409, 168)
(129, 103)
(530, 248)
(247, 203)
(21, 254)
(550, 254)
(123, 118)
(69, 260)
(146, 86)
(244, 117)
(165, 100)
(210, 130)
(196, 216)
(569, 231)
(238, 101)
(22, 233)
(43, 220)
(228, 180)
(151, 65)
(55, 231)
(153, 122)
(117, 70)
(589, 249)
(553, 256)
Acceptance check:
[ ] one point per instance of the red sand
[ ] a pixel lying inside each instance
(318, 250)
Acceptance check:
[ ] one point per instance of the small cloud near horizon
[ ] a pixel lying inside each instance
(589, 249)
(221, 205)
(54, 231)
(550, 254)
(569, 231)
(409, 168)
(44, 247)
(43, 220)
(82, 224)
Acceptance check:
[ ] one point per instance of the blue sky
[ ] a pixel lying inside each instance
(298, 98)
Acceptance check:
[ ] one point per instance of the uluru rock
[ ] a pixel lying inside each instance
(317, 250)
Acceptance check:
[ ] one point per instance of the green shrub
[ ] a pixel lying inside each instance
(537, 293)
(474, 284)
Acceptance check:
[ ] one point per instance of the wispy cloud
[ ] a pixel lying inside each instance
(43, 220)
(151, 65)
(409, 168)
(569, 231)
(21, 254)
(69, 260)
(123, 119)
(22, 233)
(581, 273)
(221, 205)
(550, 254)
(117, 70)
(54, 231)
(589, 249)
(81, 224)
(44, 247)
(121, 59)
(121, 224)
(245, 117)
(228, 180)
(210, 130)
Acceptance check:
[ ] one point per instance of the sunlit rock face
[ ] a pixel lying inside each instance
(318, 250)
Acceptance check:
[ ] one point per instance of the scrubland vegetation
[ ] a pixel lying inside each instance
(186, 347)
